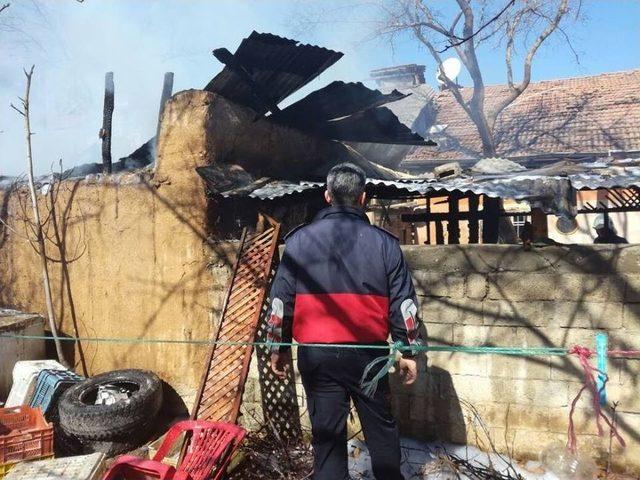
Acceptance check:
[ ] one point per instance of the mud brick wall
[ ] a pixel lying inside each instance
(503, 296)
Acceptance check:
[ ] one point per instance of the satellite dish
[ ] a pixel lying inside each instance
(450, 68)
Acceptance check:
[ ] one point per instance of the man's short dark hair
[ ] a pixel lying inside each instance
(345, 183)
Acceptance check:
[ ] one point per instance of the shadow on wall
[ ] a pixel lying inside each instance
(556, 296)
(430, 409)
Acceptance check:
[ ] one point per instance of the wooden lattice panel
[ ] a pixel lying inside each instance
(226, 368)
(279, 399)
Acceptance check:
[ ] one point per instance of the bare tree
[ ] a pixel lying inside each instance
(463, 27)
(519, 23)
(24, 111)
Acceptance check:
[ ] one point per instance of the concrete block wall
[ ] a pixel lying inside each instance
(479, 295)
(505, 296)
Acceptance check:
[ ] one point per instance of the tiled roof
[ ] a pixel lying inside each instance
(576, 115)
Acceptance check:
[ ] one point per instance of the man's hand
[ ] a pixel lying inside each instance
(280, 363)
(408, 368)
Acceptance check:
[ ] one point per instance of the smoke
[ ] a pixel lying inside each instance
(74, 44)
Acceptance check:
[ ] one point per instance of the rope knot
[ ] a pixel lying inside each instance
(582, 352)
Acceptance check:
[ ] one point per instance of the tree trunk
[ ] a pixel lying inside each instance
(38, 224)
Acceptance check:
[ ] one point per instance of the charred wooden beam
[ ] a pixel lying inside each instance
(474, 227)
(453, 223)
(107, 116)
(439, 233)
(491, 219)
(167, 90)
(444, 216)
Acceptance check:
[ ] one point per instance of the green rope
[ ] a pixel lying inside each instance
(521, 351)
(369, 387)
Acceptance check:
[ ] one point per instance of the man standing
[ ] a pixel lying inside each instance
(343, 281)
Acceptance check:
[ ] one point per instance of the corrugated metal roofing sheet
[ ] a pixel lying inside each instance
(338, 99)
(376, 125)
(550, 192)
(350, 112)
(279, 66)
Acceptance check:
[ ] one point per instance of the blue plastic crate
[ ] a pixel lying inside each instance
(50, 385)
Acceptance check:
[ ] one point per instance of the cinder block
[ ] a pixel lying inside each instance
(509, 313)
(567, 368)
(537, 337)
(451, 310)
(476, 286)
(590, 288)
(626, 395)
(467, 364)
(519, 367)
(472, 389)
(528, 444)
(474, 336)
(584, 420)
(605, 315)
(625, 371)
(631, 287)
(438, 284)
(568, 337)
(441, 258)
(439, 334)
(543, 393)
(631, 317)
(520, 286)
(514, 417)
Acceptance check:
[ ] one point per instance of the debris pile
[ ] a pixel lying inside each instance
(265, 456)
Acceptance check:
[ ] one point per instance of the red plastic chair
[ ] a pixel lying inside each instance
(210, 449)
(134, 468)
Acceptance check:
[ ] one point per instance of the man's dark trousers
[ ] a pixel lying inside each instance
(331, 376)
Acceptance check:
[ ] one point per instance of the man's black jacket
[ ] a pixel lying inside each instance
(342, 280)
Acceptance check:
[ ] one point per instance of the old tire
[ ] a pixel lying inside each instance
(80, 417)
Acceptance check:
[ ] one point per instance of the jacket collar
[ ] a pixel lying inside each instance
(342, 211)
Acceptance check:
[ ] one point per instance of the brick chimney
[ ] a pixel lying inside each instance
(401, 76)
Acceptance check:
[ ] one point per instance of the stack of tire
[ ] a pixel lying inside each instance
(116, 428)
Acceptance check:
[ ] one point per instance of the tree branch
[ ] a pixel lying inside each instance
(516, 91)
(4, 7)
(468, 37)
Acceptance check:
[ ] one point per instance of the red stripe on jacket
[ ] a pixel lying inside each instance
(340, 318)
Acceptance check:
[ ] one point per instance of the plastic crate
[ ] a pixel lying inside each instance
(82, 467)
(49, 386)
(5, 467)
(25, 373)
(24, 434)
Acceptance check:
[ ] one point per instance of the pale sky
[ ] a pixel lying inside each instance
(73, 44)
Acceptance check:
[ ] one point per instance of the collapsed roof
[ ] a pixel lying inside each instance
(266, 69)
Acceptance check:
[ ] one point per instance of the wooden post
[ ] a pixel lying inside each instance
(428, 223)
(105, 131)
(491, 219)
(453, 224)
(167, 90)
(539, 223)
(474, 233)
(439, 233)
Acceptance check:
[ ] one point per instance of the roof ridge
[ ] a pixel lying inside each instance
(554, 80)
